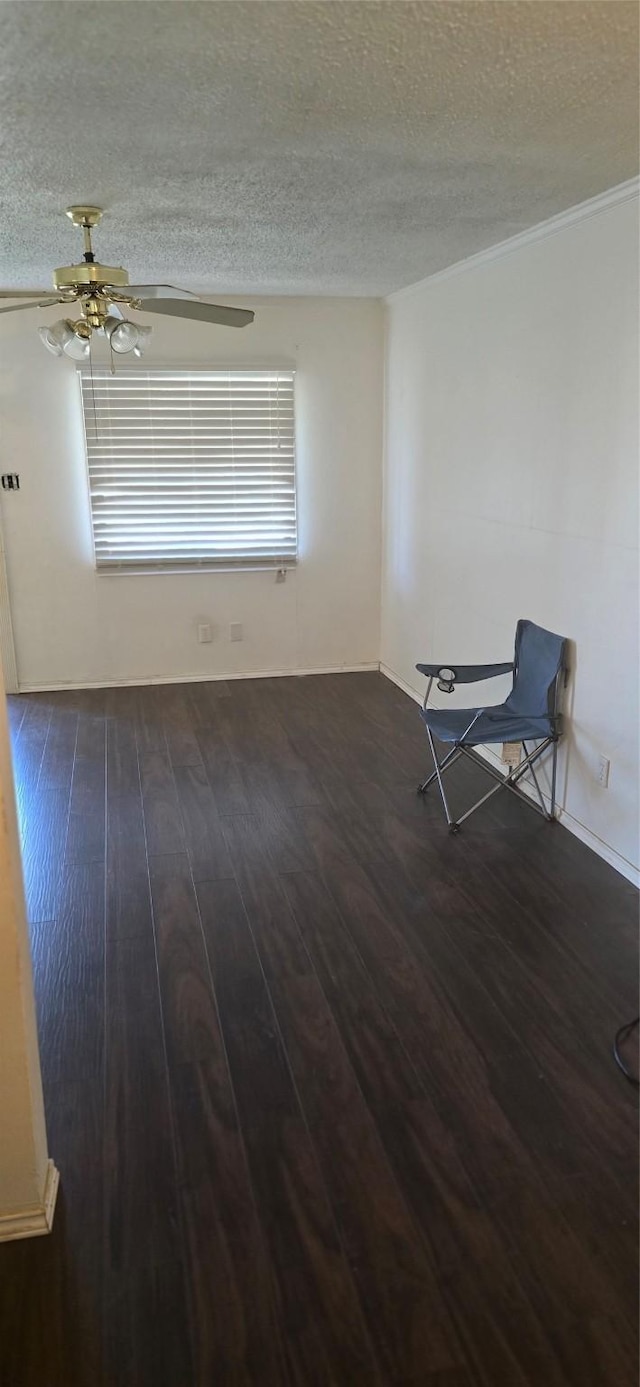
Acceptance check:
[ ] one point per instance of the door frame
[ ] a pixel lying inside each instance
(7, 643)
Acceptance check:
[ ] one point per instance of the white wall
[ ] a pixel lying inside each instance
(511, 486)
(72, 626)
(28, 1180)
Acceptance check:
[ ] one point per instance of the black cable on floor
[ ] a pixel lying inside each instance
(620, 1037)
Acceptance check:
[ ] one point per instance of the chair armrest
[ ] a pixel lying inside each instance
(448, 675)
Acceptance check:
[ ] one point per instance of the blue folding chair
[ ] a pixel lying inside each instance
(530, 713)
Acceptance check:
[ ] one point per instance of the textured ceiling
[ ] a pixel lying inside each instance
(305, 147)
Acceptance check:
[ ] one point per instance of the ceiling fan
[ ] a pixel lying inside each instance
(101, 292)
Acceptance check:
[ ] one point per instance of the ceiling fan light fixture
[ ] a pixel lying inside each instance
(124, 337)
(77, 347)
(110, 323)
(142, 343)
(56, 336)
(101, 291)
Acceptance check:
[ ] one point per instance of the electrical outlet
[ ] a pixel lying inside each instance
(204, 632)
(235, 631)
(602, 776)
(281, 575)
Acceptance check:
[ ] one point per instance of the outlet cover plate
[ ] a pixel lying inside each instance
(604, 766)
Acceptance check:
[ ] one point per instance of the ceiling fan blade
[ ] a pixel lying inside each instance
(203, 312)
(25, 293)
(36, 303)
(159, 291)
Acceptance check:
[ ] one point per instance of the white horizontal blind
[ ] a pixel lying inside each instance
(190, 469)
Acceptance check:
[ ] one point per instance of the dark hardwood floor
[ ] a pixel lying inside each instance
(331, 1092)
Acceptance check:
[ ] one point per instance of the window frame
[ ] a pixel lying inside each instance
(170, 567)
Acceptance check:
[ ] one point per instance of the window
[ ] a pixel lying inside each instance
(190, 469)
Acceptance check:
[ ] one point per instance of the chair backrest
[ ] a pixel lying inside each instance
(539, 656)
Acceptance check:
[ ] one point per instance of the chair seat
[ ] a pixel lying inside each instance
(498, 724)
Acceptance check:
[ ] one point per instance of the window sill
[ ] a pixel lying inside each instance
(171, 571)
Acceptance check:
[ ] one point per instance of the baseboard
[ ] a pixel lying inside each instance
(406, 688)
(200, 678)
(33, 1223)
(621, 864)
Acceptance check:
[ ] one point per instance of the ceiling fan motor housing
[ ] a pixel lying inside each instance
(90, 276)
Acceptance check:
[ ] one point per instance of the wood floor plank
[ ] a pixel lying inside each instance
(59, 752)
(517, 900)
(128, 896)
(28, 745)
(500, 1161)
(182, 742)
(226, 778)
(68, 967)
(203, 833)
(551, 1096)
(86, 835)
(320, 744)
(122, 769)
(292, 782)
(381, 755)
(16, 709)
(147, 1341)
(407, 1319)
(548, 997)
(360, 831)
(566, 911)
(44, 823)
(232, 1293)
(264, 898)
(241, 776)
(149, 720)
(138, 1124)
(147, 1331)
(202, 696)
(504, 1339)
(50, 1304)
(325, 1336)
(190, 1020)
(163, 820)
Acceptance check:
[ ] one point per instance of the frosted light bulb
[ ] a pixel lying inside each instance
(109, 324)
(77, 348)
(124, 337)
(144, 334)
(56, 336)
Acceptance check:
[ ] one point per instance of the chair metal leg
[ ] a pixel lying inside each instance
(554, 769)
(495, 790)
(448, 761)
(437, 769)
(509, 782)
(535, 781)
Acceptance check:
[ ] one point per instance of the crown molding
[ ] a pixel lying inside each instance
(593, 207)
